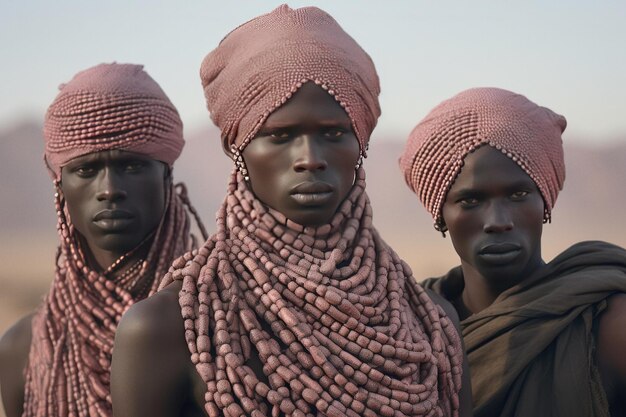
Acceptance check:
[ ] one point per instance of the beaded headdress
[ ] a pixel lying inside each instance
(111, 106)
(258, 66)
(525, 132)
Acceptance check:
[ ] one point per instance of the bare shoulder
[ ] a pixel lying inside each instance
(150, 357)
(611, 345)
(151, 318)
(17, 338)
(14, 349)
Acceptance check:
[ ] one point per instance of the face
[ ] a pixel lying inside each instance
(115, 198)
(494, 212)
(302, 161)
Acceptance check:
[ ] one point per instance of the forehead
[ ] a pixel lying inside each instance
(311, 103)
(490, 168)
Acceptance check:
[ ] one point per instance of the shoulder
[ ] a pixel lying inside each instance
(151, 357)
(449, 286)
(611, 344)
(16, 339)
(612, 321)
(155, 318)
(447, 307)
(14, 350)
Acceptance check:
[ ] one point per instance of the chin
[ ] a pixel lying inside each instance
(315, 218)
(118, 243)
(503, 275)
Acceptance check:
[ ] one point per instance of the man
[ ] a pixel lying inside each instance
(111, 138)
(296, 306)
(543, 339)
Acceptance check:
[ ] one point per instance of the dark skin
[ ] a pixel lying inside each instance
(304, 170)
(494, 213)
(116, 200)
(309, 140)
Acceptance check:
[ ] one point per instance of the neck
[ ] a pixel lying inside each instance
(478, 294)
(115, 262)
(481, 291)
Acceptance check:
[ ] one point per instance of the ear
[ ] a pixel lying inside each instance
(226, 147)
(167, 173)
(441, 227)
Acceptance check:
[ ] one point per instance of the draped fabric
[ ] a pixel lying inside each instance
(332, 313)
(531, 353)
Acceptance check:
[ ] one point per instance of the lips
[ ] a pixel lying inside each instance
(113, 220)
(112, 214)
(499, 253)
(312, 193)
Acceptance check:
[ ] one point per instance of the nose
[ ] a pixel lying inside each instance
(110, 186)
(310, 156)
(497, 218)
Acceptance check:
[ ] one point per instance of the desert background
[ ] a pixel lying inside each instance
(563, 54)
(591, 206)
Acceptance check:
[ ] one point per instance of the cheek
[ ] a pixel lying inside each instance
(154, 197)
(463, 228)
(76, 204)
(266, 183)
(460, 222)
(345, 160)
(265, 165)
(532, 220)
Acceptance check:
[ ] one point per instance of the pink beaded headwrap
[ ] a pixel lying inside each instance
(527, 133)
(258, 66)
(111, 106)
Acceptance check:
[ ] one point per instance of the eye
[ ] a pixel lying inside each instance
(134, 165)
(84, 171)
(468, 202)
(334, 133)
(278, 136)
(519, 195)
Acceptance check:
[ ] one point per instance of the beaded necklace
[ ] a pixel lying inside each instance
(339, 323)
(68, 373)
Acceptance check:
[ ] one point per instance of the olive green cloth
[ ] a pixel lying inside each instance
(531, 352)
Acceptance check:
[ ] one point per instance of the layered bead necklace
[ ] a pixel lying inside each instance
(333, 314)
(68, 372)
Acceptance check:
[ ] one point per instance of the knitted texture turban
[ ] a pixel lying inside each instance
(527, 133)
(259, 65)
(111, 106)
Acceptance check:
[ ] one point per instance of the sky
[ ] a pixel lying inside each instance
(568, 55)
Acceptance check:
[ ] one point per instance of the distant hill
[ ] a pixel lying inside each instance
(590, 207)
